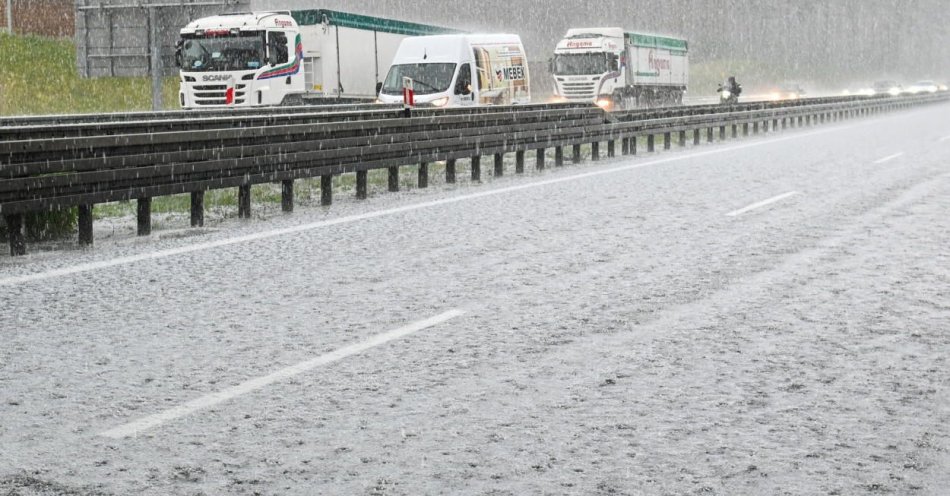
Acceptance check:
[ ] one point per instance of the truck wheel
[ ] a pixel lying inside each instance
(292, 101)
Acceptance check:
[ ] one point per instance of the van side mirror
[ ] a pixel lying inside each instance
(551, 65)
(379, 88)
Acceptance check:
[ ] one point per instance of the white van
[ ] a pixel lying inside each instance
(460, 70)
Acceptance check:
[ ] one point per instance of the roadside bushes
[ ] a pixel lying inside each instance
(42, 226)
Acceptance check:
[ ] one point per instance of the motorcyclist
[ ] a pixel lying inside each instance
(729, 91)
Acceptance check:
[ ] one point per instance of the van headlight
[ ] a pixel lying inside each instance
(440, 102)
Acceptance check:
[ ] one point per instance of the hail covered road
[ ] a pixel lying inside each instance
(760, 316)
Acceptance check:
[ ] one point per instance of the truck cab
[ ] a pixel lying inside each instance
(240, 60)
(589, 65)
(459, 70)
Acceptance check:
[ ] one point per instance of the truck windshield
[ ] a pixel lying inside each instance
(238, 52)
(580, 64)
(427, 78)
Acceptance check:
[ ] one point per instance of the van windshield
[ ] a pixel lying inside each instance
(427, 78)
(239, 52)
(580, 64)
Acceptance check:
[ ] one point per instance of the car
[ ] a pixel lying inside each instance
(925, 86)
(886, 87)
(788, 91)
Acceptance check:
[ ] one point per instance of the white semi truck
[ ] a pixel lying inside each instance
(288, 57)
(619, 69)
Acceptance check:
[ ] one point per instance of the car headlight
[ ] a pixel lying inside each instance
(440, 102)
(726, 93)
(605, 103)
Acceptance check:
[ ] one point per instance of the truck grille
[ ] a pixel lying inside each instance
(579, 91)
(214, 94)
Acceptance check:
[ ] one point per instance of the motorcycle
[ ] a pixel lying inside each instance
(729, 93)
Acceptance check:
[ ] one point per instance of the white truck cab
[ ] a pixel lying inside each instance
(239, 60)
(460, 70)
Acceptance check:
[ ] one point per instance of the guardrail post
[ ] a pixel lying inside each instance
(633, 145)
(559, 156)
(477, 168)
(499, 164)
(539, 158)
(808, 120)
(696, 136)
(735, 130)
(393, 179)
(683, 138)
(667, 140)
(326, 190)
(450, 171)
(144, 216)
(423, 175)
(197, 208)
(15, 233)
(85, 225)
(625, 147)
(287, 195)
(244, 201)
(745, 129)
(519, 162)
(362, 190)
(576, 157)
(774, 125)
(722, 133)
(611, 148)
(755, 127)
(651, 143)
(595, 151)
(709, 135)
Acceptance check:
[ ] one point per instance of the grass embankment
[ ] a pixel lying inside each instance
(39, 76)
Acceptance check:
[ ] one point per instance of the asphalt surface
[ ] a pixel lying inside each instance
(622, 334)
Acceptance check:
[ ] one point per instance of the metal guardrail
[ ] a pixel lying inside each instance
(81, 164)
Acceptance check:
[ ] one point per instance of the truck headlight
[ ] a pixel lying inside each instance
(726, 93)
(605, 103)
(440, 102)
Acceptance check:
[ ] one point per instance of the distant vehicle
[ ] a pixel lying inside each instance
(460, 70)
(618, 69)
(729, 91)
(926, 86)
(287, 57)
(886, 87)
(788, 91)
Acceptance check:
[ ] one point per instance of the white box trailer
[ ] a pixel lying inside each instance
(288, 57)
(615, 68)
(347, 55)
